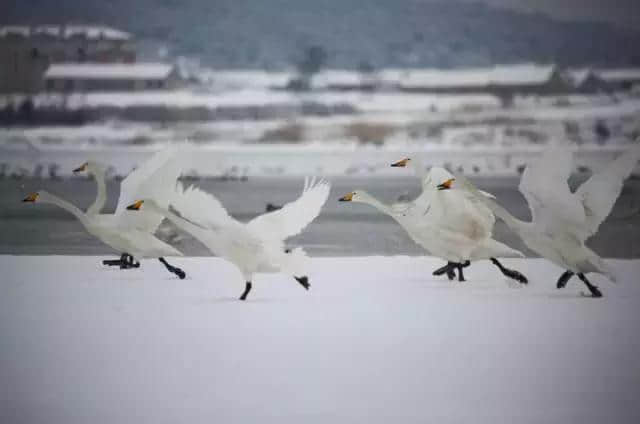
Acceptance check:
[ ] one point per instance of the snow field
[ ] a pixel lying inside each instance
(376, 339)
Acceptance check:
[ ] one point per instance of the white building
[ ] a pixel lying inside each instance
(79, 77)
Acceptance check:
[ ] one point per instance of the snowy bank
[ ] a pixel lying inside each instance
(375, 340)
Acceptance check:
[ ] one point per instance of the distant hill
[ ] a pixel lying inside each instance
(274, 34)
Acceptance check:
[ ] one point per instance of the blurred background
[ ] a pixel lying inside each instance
(261, 93)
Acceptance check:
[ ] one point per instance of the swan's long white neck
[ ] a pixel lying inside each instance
(372, 201)
(177, 220)
(73, 209)
(418, 167)
(513, 222)
(101, 197)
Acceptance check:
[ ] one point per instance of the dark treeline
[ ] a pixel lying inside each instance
(25, 113)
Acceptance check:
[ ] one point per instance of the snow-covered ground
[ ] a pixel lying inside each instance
(376, 340)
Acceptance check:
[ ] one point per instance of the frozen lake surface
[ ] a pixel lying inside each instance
(375, 340)
(341, 230)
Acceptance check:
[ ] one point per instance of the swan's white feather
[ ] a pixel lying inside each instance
(544, 186)
(156, 179)
(600, 192)
(200, 207)
(561, 220)
(294, 216)
(257, 246)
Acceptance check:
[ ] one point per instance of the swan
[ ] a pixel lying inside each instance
(456, 217)
(562, 220)
(128, 233)
(255, 246)
(451, 231)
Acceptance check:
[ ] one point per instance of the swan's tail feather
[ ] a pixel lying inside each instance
(598, 265)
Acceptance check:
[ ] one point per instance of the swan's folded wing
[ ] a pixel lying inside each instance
(200, 207)
(155, 179)
(544, 186)
(600, 192)
(294, 216)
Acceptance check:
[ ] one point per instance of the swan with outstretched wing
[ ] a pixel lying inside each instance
(561, 220)
(131, 234)
(448, 224)
(253, 247)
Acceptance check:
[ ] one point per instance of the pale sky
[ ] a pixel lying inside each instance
(621, 12)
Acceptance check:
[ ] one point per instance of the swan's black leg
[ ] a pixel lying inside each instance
(511, 273)
(304, 281)
(564, 278)
(448, 269)
(595, 292)
(131, 263)
(459, 266)
(247, 289)
(125, 261)
(177, 271)
(112, 262)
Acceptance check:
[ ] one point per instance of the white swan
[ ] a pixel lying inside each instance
(447, 224)
(561, 220)
(126, 232)
(255, 246)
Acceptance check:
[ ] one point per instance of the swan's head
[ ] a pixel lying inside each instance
(355, 196)
(90, 167)
(402, 163)
(32, 198)
(440, 178)
(40, 196)
(446, 185)
(135, 206)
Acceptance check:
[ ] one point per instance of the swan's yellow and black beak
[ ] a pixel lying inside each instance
(447, 184)
(135, 206)
(346, 197)
(31, 198)
(81, 168)
(401, 163)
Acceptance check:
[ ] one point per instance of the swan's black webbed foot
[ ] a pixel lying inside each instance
(247, 289)
(511, 273)
(459, 266)
(175, 270)
(449, 269)
(304, 281)
(595, 292)
(128, 262)
(564, 278)
(125, 262)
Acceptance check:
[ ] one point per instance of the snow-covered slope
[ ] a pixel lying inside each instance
(375, 340)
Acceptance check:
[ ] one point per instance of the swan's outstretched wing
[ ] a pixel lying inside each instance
(294, 216)
(600, 192)
(155, 179)
(544, 186)
(200, 207)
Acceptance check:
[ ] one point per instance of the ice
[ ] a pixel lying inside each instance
(376, 339)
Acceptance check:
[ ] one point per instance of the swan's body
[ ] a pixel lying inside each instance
(449, 224)
(124, 231)
(562, 221)
(255, 246)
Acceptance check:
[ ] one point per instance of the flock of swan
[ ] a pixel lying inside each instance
(451, 219)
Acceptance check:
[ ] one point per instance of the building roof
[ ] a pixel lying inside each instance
(143, 71)
(624, 74)
(91, 32)
(521, 74)
(502, 75)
